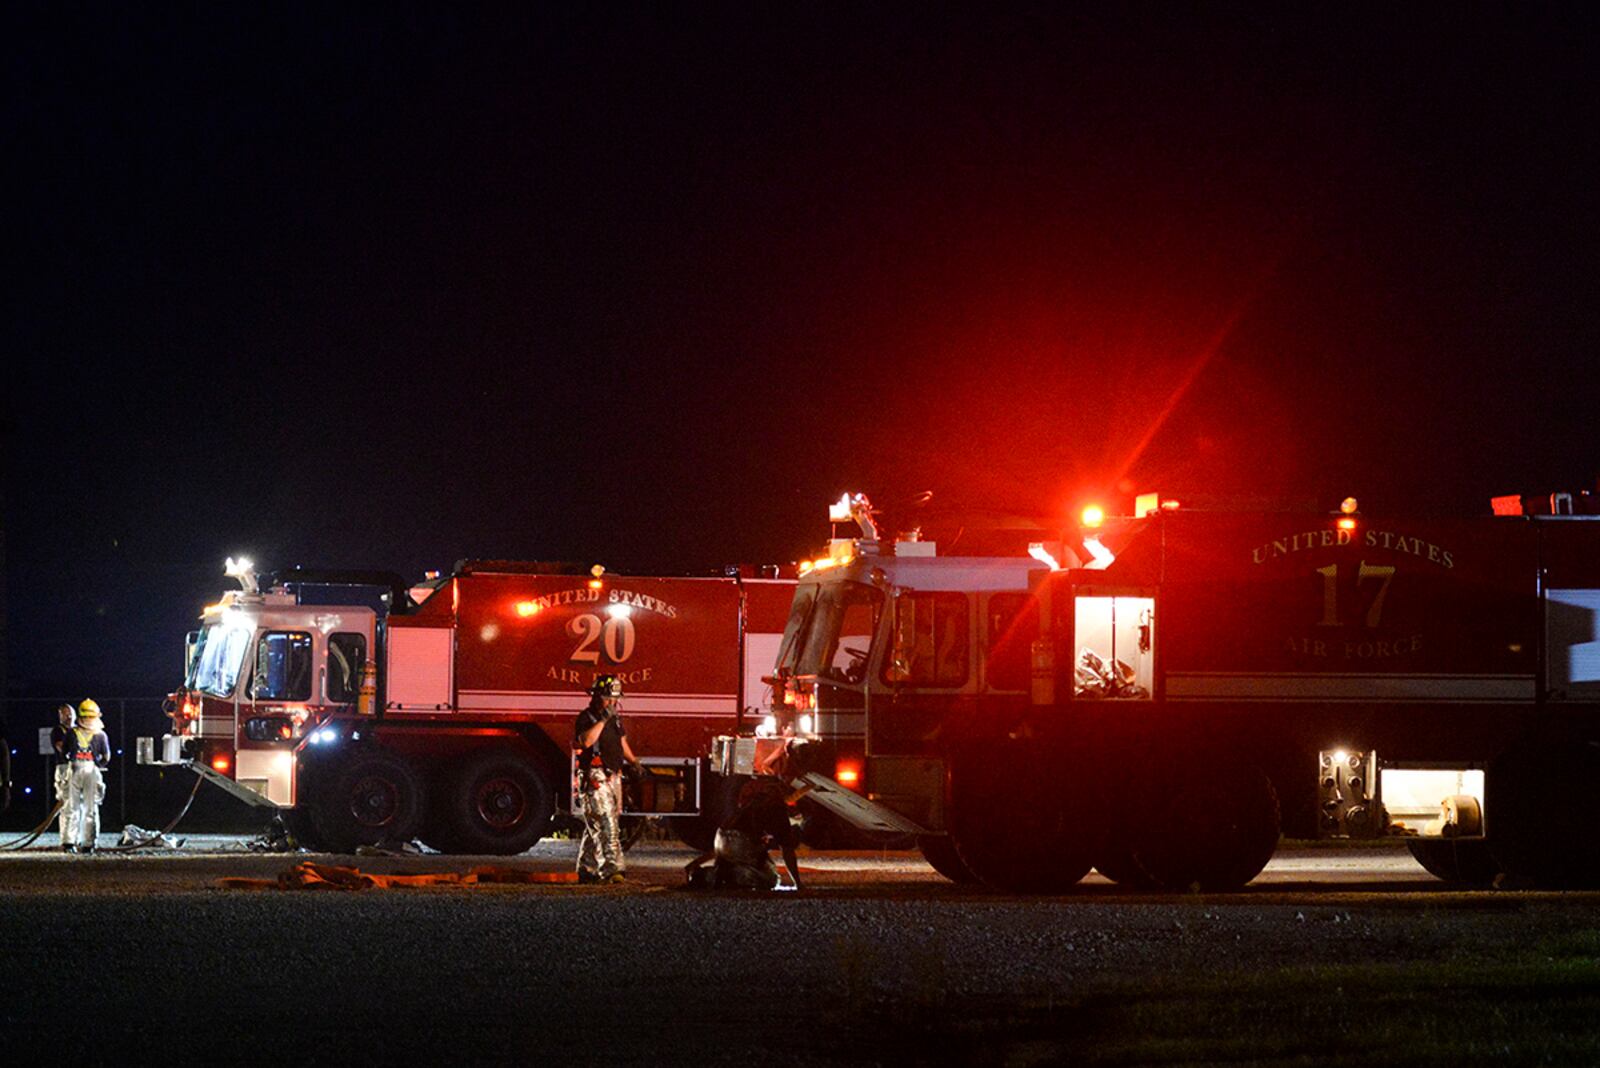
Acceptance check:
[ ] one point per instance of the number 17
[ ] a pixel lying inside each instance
(1330, 591)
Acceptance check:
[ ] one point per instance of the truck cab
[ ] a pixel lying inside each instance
(263, 673)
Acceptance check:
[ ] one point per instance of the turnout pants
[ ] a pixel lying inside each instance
(63, 773)
(600, 852)
(743, 861)
(86, 788)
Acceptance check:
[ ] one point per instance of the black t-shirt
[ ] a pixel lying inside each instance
(606, 752)
(62, 743)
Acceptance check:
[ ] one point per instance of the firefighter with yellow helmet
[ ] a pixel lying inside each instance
(89, 754)
(603, 748)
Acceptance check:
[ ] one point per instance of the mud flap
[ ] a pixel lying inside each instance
(854, 809)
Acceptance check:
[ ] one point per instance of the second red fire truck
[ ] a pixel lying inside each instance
(1161, 696)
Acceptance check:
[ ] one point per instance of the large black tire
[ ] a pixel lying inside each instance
(1208, 830)
(1542, 808)
(1020, 820)
(1465, 861)
(375, 796)
(297, 821)
(499, 802)
(940, 852)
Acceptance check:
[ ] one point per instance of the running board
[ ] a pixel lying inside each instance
(229, 786)
(854, 809)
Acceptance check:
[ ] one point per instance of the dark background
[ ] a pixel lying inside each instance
(649, 288)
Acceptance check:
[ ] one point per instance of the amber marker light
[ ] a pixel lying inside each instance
(847, 774)
(220, 762)
(527, 608)
(1093, 515)
(1347, 523)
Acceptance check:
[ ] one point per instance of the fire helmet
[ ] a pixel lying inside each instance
(606, 686)
(87, 709)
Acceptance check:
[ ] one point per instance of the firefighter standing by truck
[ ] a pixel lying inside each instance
(603, 748)
(61, 767)
(89, 751)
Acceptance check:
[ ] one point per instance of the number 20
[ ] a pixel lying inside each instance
(614, 635)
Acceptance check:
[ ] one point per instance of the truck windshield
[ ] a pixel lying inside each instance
(838, 641)
(794, 630)
(218, 655)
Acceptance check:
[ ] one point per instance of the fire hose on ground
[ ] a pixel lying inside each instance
(152, 839)
(28, 839)
(148, 842)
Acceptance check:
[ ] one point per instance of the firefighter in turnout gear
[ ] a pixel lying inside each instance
(741, 856)
(603, 748)
(89, 753)
(61, 767)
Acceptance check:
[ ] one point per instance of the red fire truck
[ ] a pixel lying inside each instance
(365, 710)
(1161, 696)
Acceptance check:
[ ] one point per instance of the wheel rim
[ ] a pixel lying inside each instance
(500, 803)
(374, 801)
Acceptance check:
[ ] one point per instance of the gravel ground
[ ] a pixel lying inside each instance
(878, 961)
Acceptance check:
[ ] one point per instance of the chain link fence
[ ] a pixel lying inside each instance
(143, 796)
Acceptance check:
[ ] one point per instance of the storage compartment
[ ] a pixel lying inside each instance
(420, 668)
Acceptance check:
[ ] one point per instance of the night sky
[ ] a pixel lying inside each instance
(649, 288)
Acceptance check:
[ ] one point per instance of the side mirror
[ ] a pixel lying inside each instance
(191, 643)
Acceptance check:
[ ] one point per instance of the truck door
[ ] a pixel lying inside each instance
(281, 670)
(341, 672)
(928, 667)
(1011, 623)
(837, 653)
(279, 686)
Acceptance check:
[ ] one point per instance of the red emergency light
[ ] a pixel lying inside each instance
(848, 774)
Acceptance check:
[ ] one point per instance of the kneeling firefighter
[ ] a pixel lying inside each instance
(603, 748)
(741, 855)
(89, 753)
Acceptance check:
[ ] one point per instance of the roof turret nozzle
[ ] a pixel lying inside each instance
(855, 507)
(245, 571)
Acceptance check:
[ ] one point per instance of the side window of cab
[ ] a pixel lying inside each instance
(1013, 624)
(282, 667)
(346, 655)
(930, 640)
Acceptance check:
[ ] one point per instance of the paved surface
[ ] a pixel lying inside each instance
(879, 961)
(43, 868)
